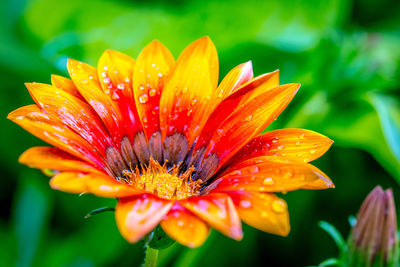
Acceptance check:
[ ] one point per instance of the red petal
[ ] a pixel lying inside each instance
(247, 121)
(139, 215)
(285, 145)
(184, 227)
(218, 211)
(115, 71)
(86, 80)
(151, 72)
(185, 98)
(74, 113)
(268, 176)
(52, 131)
(265, 212)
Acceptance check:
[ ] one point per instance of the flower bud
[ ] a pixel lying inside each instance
(373, 240)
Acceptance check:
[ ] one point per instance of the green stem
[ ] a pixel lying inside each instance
(151, 257)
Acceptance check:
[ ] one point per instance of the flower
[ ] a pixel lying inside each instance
(173, 146)
(374, 236)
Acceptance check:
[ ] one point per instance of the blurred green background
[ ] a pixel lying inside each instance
(346, 55)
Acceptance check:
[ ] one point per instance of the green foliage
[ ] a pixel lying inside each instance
(344, 53)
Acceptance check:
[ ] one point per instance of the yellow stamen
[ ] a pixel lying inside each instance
(163, 182)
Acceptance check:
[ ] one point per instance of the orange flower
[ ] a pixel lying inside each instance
(173, 146)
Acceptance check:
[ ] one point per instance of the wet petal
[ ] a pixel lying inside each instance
(86, 80)
(247, 121)
(66, 85)
(54, 159)
(262, 211)
(297, 145)
(98, 184)
(115, 72)
(73, 112)
(184, 100)
(186, 228)
(52, 131)
(262, 175)
(218, 211)
(139, 215)
(152, 68)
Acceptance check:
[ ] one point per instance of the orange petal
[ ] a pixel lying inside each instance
(184, 227)
(185, 98)
(139, 215)
(73, 112)
(247, 121)
(86, 80)
(285, 145)
(98, 184)
(52, 131)
(54, 159)
(152, 68)
(238, 76)
(228, 106)
(115, 70)
(262, 175)
(218, 211)
(262, 211)
(67, 85)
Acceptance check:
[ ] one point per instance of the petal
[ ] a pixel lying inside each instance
(265, 212)
(54, 159)
(115, 71)
(227, 107)
(186, 228)
(73, 112)
(185, 98)
(238, 76)
(139, 215)
(268, 176)
(285, 145)
(152, 68)
(67, 85)
(52, 131)
(86, 80)
(218, 211)
(98, 184)
(247, 121)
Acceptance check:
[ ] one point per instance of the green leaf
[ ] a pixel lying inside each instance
(330, 262)
(158, 239)
(334, 233)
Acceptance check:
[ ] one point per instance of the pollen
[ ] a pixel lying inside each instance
(167, 183)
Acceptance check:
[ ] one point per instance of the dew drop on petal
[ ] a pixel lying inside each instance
(184, 90)
(152, 92)
(245, 204)
(194, 101)
(143, 98)
(279, 206)
(268, 181)
(297, 143)
(254, 169)
(121, 86)
(312, 151)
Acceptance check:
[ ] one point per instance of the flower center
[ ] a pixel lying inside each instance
(168, 183)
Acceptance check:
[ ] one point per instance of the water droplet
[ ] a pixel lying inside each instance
(121, 86)
(184, 90)
(104, 74)
(152, 92)
(275, 140)
(249, 118)
(164, 110)
(278, 206)
(84, 81)
(245, 204)
(312, 151)
(301, 136)
(254, 169)
(143, 98)
(91, 77)
(280, 147)
(268, 181)
(145, 120)
(297, 143)
(194, 101)
(106, 80)
(180, 223)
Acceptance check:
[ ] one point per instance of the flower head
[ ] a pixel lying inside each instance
(173, 146)
(374, 236)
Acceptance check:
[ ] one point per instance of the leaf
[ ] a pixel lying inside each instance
(334, 233)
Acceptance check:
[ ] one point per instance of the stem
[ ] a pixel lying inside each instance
(151, 257)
